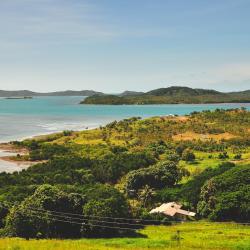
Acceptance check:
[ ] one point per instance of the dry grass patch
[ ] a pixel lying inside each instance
(189, 135)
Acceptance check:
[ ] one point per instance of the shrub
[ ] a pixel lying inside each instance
(191, 190)
(187, 155)
(227, 196)
(29, 219)
(104, 203)
(163, 174)
(223, 155)
(237, 157)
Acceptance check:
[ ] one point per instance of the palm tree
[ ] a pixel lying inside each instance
(145, 195)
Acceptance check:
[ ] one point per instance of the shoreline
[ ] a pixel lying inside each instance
(43, 134)
(10, 165)
(8, 150)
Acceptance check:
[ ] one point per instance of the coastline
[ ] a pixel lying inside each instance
(8, 150)
(7, 163)
(42, 134)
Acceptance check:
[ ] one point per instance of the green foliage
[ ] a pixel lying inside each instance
(104, 203)
(163, 174)
(146, 195)
(67, 132)
(227, 196)
(237, 156)
(188, 155)
(171, 95)
(29, 219)
(223, 155)
(113, 166)
(190, 191)
(3, 213)
(130, 154)
(47, 151)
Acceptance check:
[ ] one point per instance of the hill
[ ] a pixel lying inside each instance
(131, 93)
(175, 90)
(172, 95)
(21, 93)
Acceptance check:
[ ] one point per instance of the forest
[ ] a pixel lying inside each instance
(103, 182)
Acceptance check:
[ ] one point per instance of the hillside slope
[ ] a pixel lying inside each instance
(172, 95)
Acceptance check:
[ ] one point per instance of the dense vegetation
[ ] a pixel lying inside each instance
(93, 183)
(171, 95)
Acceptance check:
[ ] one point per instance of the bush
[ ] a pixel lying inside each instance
(67, 132)
(191, 190)
(227, 196)
(104, 203)
(163, 174)
(187, 155)
(29, 219)
(223, 155)
(3, 213)
(112, 167)
(237, 157)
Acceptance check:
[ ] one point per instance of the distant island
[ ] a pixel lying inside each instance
(171, 95)
(19, 97)
(28, 93)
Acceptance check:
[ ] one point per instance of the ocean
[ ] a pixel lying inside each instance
(24, 118)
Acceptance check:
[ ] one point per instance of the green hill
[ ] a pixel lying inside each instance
(172, 95)
(172, 91)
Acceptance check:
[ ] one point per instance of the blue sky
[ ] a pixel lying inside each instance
(116, 45)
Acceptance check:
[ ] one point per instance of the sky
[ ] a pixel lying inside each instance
(117, 45)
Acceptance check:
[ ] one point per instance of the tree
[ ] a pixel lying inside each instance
(190, 191)
(32, 217)
(223, 155)
(187, 155)
(163, 174)
(104, 203)
(227, 196)
(3, 213)
(145, 195)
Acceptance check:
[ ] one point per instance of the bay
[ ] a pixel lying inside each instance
(22, 118)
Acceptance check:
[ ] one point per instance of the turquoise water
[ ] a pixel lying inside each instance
(28, 117)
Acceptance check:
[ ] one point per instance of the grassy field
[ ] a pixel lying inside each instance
(193, 235)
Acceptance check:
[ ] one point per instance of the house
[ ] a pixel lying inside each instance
(173, 209)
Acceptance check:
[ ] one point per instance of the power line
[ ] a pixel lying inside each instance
(90, 225)
(40, 213)
(93, 225)
(101, 217)
(86, 220)
(54, 213)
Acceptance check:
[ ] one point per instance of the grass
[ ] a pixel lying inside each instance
(189, 135)
(203, 161)
(192, 235)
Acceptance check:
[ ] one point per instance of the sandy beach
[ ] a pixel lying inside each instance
(7, 163)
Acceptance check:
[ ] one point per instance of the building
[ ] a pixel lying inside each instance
(174, 210)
